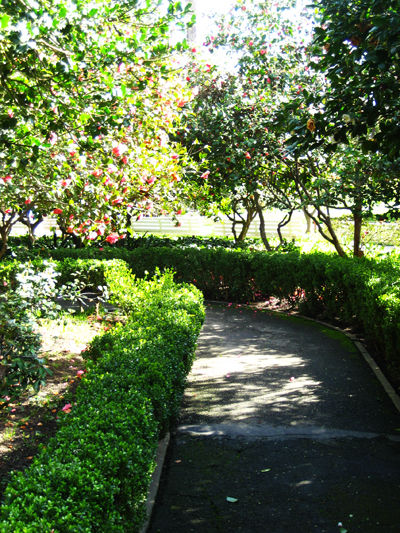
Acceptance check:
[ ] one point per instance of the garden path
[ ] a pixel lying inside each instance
(285, 416)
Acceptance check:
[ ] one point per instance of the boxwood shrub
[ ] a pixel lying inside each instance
(359, 292)
(94, 474)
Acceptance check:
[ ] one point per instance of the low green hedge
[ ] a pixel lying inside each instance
(359, 292)
(94, 474)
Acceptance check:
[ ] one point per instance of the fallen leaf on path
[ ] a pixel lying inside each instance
(179, 461)
(232, 500)
(266, 470)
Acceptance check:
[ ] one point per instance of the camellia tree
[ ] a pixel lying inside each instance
(359, 55)
(273, 108)
(88, 96)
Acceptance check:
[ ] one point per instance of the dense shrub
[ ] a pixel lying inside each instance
(358, 292)
(94, 474)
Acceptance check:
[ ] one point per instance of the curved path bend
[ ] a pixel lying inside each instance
(285, 416)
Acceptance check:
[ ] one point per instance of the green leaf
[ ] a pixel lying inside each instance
(5, 19)
(232, 500)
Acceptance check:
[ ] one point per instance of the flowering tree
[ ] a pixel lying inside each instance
(88, 96)
(358, 53)
(267, 129)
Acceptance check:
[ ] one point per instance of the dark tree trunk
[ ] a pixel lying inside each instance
(357, 231)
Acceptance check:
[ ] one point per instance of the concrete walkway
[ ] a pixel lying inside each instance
(286, 417)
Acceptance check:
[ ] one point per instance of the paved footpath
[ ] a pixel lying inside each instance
(285, 416)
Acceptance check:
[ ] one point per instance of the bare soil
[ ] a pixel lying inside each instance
(27, 424)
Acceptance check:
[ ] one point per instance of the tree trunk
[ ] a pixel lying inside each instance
(308, 220)
(4, 238)
(357, 216)
(262, 223)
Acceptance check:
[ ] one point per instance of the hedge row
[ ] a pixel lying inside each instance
(94, 474)
(359, 292)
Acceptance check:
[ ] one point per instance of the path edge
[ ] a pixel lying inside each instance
(361, 348)
(155, 480)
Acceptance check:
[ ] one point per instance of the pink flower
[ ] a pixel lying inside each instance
(97, 172)
(28, 201)
(151, 180)
(251, 43)
(205, 175)
(10, 113)
(7, 211)
(269, 80)
(111, 169)
(67, 408)
(174, 156)
(92, 236)
(57, 211)
(117, 201)
(79, 373)
(247, 155)
(179, 212)
(262, 52)
(71, 217)
(139, 217)
(112, 238)
(125, 160)
(119, 149)
(73, 153)
(193, 50)
(7, 178)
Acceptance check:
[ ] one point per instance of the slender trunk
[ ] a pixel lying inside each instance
(4, 238)
(308, 220)
(282, 224)
(262, 223)
(332, 238)
(357, 216)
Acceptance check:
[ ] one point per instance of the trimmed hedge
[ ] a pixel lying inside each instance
(94, 474)
(359, 292)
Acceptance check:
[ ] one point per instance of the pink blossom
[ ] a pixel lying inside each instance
(125, 160)
(10, 113)
(139, 217)
(28, 201)
(112, 238)
(117, 201)
(151, 180)
(97, 172)
(67, 408)
(179, 212)
(7, 211)
(262, 52)
(174, 156)
(111, 169)
(92, 236)
(205, 175)
(80, 372)
(119, 149)
(193, 50)
(57, 211)
(7, 178)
